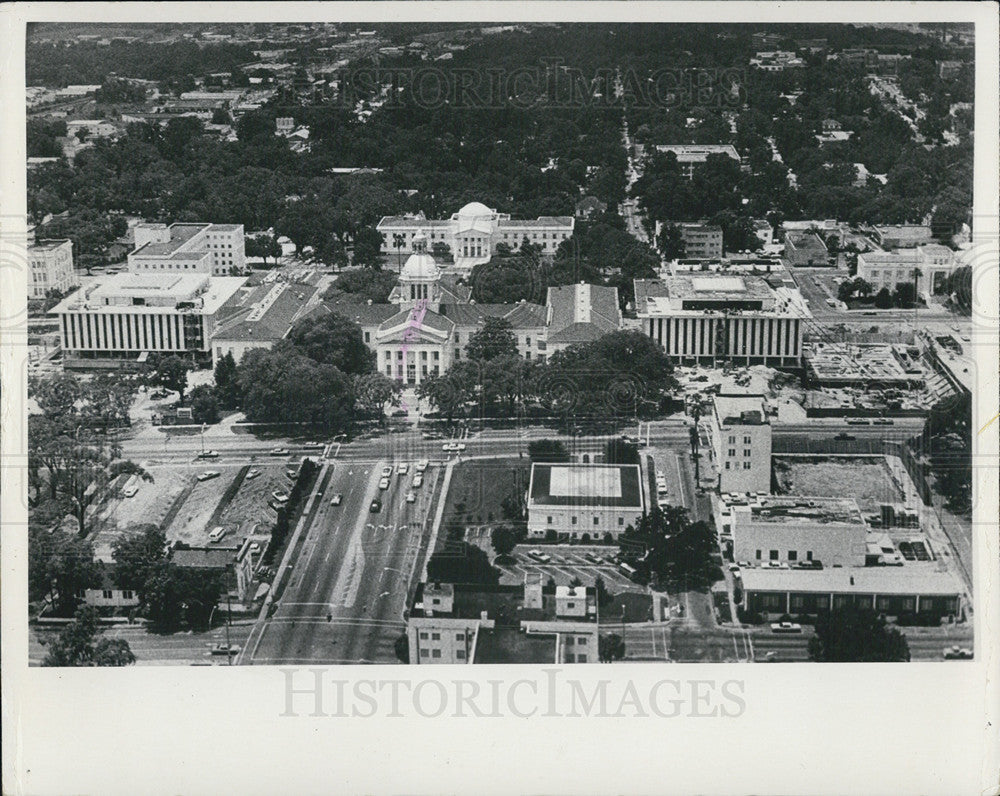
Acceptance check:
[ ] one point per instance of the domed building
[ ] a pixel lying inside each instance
(472, 234)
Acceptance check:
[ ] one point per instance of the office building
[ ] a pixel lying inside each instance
(689, 156)
(583, 501)
(717, 319)
(51, 264)
(929, 265)
(741, 443)
(214, 249)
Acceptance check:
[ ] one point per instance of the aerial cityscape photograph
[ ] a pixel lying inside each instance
(482, 343)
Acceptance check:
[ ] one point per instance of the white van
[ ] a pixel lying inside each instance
(216, 533)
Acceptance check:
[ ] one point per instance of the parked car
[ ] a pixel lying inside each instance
(411, 497)
(208, 475)
(858, 421)
(422, 465)
(281, 497)
(786, 627)
(592, 558)
(538, 555)
(337, 499)
(883, 421)
(216, 534)
(418, 481)
(252, 474)
(402, 468)
(387, 471)
(130, 491)
(254, 547)
(208, 455)
(383, 483)
(376, 506)
(734, 567)
(744, 565)
(957, 653)
(843, 435)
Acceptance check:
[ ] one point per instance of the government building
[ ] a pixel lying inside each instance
(215, 249)
(51, 263)
(718, 319)
(473, 233)
(430, 318)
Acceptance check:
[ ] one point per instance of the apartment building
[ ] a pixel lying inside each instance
(741, 443)
(51, 264)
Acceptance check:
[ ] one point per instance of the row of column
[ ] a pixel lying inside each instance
(740, 337)
(122, 332)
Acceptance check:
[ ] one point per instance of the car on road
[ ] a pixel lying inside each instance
(279, 451)
(809, 565)
(734, 567)
(337, 499)
(208, 455)
(387, 471)
(844, 436)
(383, 483)
(538, 555)
(883, 421)
(744, 565)
(402, 468)
(418, 481)
(313, 445)
(858, 421)
(432, 435)
(208, 475)
(225, 649)
(831, 302)
(281, 497)
(376, 506)
(957, 653)
(453, 447)
(252, 474)
(785, 627)
(593, 559)
(254, 547)
(216, 533)
(411, 497)
(130, 491)
(422, 465)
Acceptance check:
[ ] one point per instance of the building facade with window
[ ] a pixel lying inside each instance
(583, 501)
(215, 249)
(741, 443)
(51, 264)
(930, 266)
(473, 233)
(721, 319)
(690, 156)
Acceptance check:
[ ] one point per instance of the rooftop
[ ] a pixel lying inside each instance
(795, 510)
(740, 409)
(512, 645)
(503, 604)
(852, 580)
(266, 312)
(47, 245)
(180, 235)
(605, 485)
(581, 313)
(202, 558)
(698, 153)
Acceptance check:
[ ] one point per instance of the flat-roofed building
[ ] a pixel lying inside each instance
(216, 249)
(793, 529)
(689, 156)
(932, 264)
(128, 316)
(583, 501)
(717, 318)
(473, 233)
(889, 590)
(529, 623)
(805, 249)
(901, 236)
(741, 443)
(51, 264)
(703, 241)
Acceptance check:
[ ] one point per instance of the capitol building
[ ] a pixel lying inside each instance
(472, 234)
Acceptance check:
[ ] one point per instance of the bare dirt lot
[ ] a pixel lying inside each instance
(866, 479)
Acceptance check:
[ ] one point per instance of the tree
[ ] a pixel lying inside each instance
(604, 597)
(402, 648)
(221, 116)
(169, 372)
(461, 562)
(204, 405)
(373, 391)
(442, 252)
(618, 451)
(672, 548)
(610, 648)
(852, 634)
(547, 450)
(361, 285)
(883, 299)
(61, 566)
(227, 392)
(905, 294)
(453, 391)
(958, 285)
(138, 555)
(670, 242)
(368, 247)
(503, 540)
(334, 340)
(495, 339)
(75, 645)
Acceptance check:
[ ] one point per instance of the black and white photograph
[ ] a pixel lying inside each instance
(432, 341)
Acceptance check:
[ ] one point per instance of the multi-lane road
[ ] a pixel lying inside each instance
(347, 589)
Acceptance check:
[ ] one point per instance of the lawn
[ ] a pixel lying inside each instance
(866, 479)
(478, 490)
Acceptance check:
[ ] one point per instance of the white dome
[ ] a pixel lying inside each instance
(474, 210)
(420, 266)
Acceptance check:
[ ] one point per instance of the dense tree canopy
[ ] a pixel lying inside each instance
(856, 635)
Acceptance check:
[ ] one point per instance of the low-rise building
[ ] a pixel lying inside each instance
(96, 128)
(689, 156)
(580, 313)
(713, 318)
(930, 265)
(776, 61)
(259, 317)
(901, 236)
(805, 249)
(590, 206)
(51, 264)
(216, 249)
(584, 501)
(741, 443)
(126, 317)
(702, 240)
(532, 623)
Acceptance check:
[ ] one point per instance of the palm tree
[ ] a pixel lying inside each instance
(398, 240)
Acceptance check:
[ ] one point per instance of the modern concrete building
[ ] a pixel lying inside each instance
(216, 249)
(51, 264)
(889, 590)
(805, 249)
(702, 241)
(741, 443)
(457, 623)
(583, 501)
(714, 318)
(473, 233)
(690, 156)
(791, 529)
(126, 317)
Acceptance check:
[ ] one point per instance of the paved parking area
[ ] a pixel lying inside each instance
(568, 562)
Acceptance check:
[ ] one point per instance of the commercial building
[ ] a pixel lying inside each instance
(933, 264)
(889, 590)
(532, 623)
(901, 236)
(583, 501)
(776, 61)
(51, 263)
(716, 319)
(791, 529)
(128, 316)
(216, 249)
(96, 128)
(690, 156)
(703, 241)
(259, 317)
(473, 233)
(805, 249)
(741, 443)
